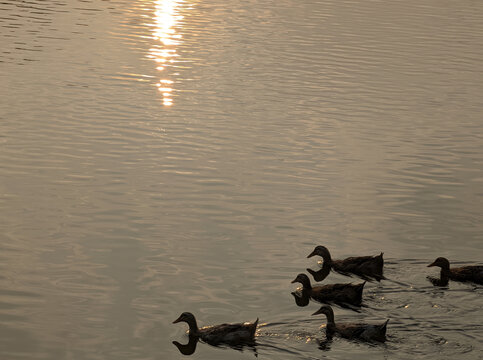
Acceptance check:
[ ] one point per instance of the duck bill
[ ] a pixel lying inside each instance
(432, 264)
(177, 320)
(318, 312)
(311, 254)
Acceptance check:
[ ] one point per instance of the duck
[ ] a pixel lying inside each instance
(338, 293)
(366, 332)
(473, 273)
(364, 266)
(231, 334)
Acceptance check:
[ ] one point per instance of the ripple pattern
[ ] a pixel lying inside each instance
(163, 156)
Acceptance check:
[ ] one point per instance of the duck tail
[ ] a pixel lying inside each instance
(380, 265)
(253, 327)
(360, 287)
(359, 290)
(384, 326)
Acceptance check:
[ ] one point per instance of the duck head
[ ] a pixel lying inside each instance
(304, 280)
(327, 311)
(321, 251)
(186, 317)
(441, 262)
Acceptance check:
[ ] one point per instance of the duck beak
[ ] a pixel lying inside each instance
(293, 281)
(177, 320)
(317, 312)
(311, 254)
(432, 264)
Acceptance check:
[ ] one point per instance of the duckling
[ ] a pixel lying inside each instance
(364, 266)
(367, 332)
(231, 334)
(464, 273)
(338, 293)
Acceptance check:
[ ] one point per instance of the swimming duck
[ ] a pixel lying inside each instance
(464, 273)
(367, 332)
(338, 293)
(231, 334)
(365, 266)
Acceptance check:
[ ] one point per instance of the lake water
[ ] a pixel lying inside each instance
(166, 156)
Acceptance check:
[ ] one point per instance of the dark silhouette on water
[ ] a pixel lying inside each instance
(366, 332)
(235, 335)
(190, 347)
(473, 273)
(302, 297)
(364, 266)
(320, 274)
(338, 293)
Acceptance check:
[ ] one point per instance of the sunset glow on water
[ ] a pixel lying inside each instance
(160, 157)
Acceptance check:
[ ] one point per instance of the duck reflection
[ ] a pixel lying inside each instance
(437, 281)
(190, 347)
(166, 21)
(324, 344)
(301, 297)
(321, 274)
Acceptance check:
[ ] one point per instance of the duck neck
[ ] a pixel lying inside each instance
(194, 331)
(326, 265)
(327, 260)
(445, 274)
(306, 283)
(330, 328)
(330, 319)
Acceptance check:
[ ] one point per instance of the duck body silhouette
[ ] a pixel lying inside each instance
(231, 334)
(364, 266)
(366, 332)
(472, 273)
(339, 293)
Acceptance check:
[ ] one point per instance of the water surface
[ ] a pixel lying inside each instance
(166, 156)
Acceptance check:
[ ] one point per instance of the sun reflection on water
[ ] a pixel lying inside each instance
(166, 22)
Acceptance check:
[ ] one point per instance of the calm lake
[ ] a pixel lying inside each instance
(162, 156)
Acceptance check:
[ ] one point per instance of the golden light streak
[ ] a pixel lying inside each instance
(166, 22)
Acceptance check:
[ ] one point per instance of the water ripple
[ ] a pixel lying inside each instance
(168, 156)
